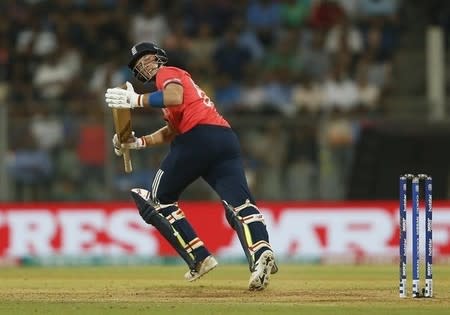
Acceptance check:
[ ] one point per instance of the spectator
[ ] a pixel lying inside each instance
(264, 18)
(230, 57)
(67, 162)
(109, 73)
(378, 73)
(150, 24)
(316, 60)
(227, 94)
(271, 149)
(385, 8)
(294, 13)
(248, 39)
(217, 14)
(337, 140)
(379, 42)
(302, 167)
(253, 97)
(69, 57)
(369, 94)
(344, 36)
(325, 14)
(5, 59)
(47, 129)
(55, 73)
(30, 168)
(278, 92)
(351, 8)
(252, 159)
(284, 54)
(203, 45)
(340, 91)
(92, 135)
(307, 95)
(35, 39)
(177, 46)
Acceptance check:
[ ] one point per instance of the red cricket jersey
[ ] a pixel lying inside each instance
(196, 109)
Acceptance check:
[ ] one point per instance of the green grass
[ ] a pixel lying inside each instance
(296, 289)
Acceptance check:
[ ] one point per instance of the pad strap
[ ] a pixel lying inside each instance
(175, 216)
(244, 206)
(194, 244)
(252, 218)
(258, 245)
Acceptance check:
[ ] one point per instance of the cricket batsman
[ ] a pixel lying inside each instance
(202, 144)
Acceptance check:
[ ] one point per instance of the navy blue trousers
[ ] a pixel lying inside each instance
(212, 153)
(207, 151)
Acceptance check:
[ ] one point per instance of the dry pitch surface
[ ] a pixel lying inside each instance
(296, 289)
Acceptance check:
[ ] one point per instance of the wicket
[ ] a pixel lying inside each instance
(415, 259)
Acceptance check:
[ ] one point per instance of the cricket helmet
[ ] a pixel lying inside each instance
(145, 48)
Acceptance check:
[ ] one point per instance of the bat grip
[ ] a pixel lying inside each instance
(127, 161)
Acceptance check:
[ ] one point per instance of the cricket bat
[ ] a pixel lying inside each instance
(122, 125)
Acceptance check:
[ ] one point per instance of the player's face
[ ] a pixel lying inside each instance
(146, 67)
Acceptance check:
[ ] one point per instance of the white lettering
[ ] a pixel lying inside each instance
(368, 231)
(319, 232)
(131, 235)
(79, 231)
(30, 232)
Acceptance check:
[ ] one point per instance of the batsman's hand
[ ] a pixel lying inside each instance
(116, 144)
(134, 143)
(121, 98)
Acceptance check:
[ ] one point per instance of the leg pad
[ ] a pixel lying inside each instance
(151, 215)
(249, 225)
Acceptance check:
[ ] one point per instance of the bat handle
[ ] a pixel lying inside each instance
(127, 161)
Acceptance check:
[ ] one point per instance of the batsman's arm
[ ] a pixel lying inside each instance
(172, 95)
(161, 136)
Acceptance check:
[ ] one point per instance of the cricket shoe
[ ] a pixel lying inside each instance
(202, 268)
(262, 270)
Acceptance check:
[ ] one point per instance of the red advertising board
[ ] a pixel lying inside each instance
(297, 229)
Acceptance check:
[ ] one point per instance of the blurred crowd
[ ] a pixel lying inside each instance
(295, 77)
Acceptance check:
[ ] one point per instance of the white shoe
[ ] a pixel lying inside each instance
(203, 267)
(260, 277)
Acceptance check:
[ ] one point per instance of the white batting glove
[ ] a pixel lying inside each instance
(116, 144)
(120, 98)
(134, 143)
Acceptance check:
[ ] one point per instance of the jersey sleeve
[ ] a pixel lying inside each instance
(168, 75)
